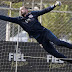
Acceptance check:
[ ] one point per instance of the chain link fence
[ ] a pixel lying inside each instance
(59, 21)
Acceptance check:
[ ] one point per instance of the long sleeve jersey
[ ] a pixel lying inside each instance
(29, 23)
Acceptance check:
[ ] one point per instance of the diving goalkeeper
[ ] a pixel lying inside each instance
(29, 22)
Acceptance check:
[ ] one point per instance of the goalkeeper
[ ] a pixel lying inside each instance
(29, 22)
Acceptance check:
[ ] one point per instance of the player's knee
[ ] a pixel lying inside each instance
(58, 42)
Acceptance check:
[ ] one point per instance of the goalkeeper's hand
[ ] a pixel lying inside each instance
(58, 3)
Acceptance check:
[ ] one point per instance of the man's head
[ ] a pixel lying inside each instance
(24, 11)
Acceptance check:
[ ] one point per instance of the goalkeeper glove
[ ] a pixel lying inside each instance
(58, 3)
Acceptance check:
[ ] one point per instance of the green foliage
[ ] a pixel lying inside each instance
(7, 2)
(57, 22)
(14, 14)
(17, 5)
(14, 5)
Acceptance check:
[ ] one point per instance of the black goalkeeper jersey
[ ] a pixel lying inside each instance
(29, 23)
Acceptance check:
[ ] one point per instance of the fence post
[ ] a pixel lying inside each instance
(8, 26)
(41, 9)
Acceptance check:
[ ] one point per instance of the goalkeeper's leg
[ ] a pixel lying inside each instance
(51, 37)
(50, 49)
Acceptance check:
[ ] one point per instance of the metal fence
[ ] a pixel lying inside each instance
(58, 21)
(31, 58)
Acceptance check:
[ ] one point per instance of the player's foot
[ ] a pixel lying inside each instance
(68, 60)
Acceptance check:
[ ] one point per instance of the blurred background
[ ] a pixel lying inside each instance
(59, 21)
(14, 40)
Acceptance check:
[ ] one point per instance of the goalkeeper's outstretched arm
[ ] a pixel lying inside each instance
(10, 19)
(48, 9)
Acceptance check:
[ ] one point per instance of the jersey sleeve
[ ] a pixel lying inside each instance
(43, 11)
(10, 19)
